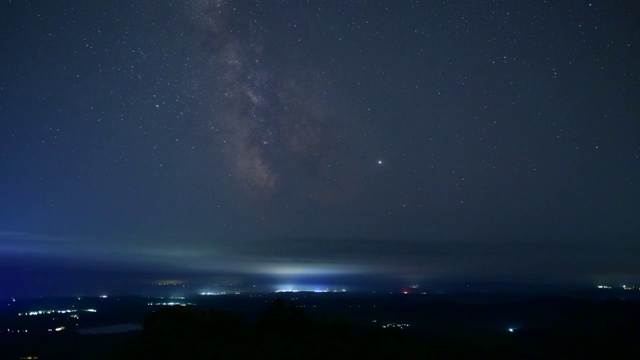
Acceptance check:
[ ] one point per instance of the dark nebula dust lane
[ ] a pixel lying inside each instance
(281, 119)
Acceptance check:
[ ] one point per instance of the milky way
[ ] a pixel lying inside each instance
(280, 122)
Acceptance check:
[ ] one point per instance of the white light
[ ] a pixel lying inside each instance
(379, 162)
(511, 330)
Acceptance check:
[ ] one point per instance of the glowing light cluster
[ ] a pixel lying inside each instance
(169, 283)
(171, 303)
(49, 312)
(396, 326)
(58, 329)
(315, 289)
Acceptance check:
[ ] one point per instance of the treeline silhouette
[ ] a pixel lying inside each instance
(288, 332)
(280, 332)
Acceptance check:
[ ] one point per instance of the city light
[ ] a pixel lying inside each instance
(171, 303)
(169, 283)
(49, 312)
(306, 288)
(395, 326)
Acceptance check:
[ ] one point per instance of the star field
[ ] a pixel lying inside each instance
(418, 140)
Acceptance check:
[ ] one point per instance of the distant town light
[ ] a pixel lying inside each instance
(395, 325)
(172, 303)
(49, 312)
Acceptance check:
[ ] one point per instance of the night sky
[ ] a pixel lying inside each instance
(318, 141)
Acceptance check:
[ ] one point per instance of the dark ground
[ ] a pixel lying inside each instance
(349, 326)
